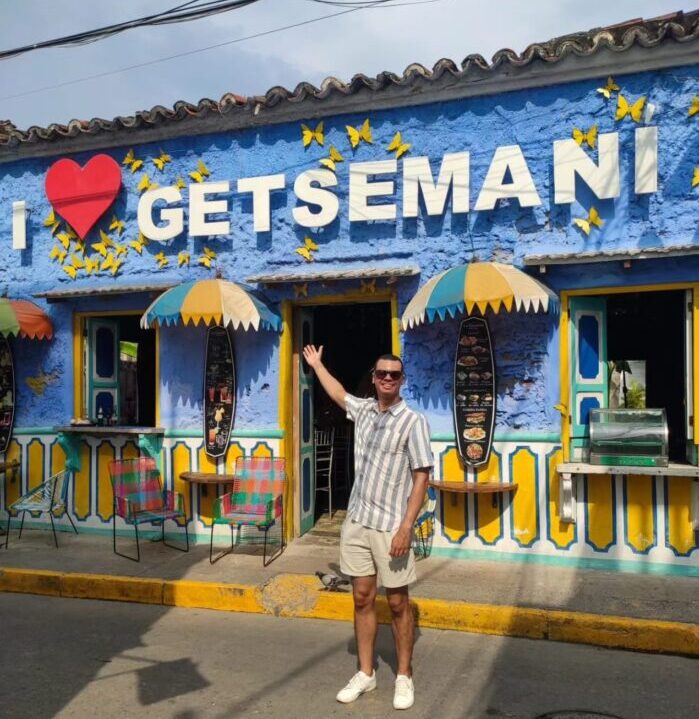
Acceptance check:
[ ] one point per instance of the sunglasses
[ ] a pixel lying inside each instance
(392, 373)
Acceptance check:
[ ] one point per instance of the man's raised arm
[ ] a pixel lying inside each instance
(335, 390)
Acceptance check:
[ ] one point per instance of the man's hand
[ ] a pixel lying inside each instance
(312, 355)
(401, 542)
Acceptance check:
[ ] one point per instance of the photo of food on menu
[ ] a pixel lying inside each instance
(219, 392)
(474, 392)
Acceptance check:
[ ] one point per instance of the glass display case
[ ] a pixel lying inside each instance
(632, 437)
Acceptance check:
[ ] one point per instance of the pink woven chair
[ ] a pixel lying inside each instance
(257, 500)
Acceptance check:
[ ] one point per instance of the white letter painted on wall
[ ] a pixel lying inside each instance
(261, 188)
(19, 225)
(306, 190)
(172, 216)
(569, 158)
(200, 207)
(646, 179)
(522, 187)
(360, 190)
(417, 176)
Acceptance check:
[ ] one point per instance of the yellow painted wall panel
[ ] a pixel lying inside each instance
(12, 481)
(129, 451)
(489, 517)
(206, 502)
(235, 450)
(83, 484)
(601, 512)
(562, 534)
(639, 504)
(453, 504)
(105, 496)
(262, 450)
(680, 535)
(35, 463)
(525, 502)
(182, 462)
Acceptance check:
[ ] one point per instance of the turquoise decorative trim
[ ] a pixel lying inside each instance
(542, 437)
(235, 434)
(608, 565)
(70, 444)
(33, 431)
(151, 444)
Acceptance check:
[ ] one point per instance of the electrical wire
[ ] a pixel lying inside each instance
(374, 3)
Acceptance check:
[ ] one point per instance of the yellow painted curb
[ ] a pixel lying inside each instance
(296, 595)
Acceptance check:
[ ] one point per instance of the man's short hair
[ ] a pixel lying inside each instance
(390, 358)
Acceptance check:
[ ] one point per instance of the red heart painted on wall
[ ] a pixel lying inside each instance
(81, 195)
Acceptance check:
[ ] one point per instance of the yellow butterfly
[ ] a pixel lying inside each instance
(106, 239)
(116, 265)
(308, 135)
(335, 157)
(183, 259)
(209, 253)
(206, 261)
(52, 222)
(111, 263)
(71, 234)
(161, 161)
(590, 137)
(131, 161)
(57, 254)
(77, 262)
(70, 271)
(609, 88)
(398, 146)
(356, 135)
(64, 239)
(80, 246)
(117, 225)
(121, 250)
(146, 184)
(695, 178)
(623, 108)
(305, 253)
(308, 242)
(161, 260)
(367, 287)
(180, 184)
(301, 290)
(693, 108)
(593, 219)
(91, 265)
(140, 243)
(101, 248)
(200, 173)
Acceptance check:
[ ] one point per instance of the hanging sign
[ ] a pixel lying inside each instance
(474, 392)
(7, 394)
(219, 391)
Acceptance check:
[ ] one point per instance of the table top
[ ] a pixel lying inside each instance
(672, 470)
(474, 487)
(107, 430)
(207, 478)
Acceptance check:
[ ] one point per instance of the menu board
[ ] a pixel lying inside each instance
(474, 392)
(219, 391)
(7, 393)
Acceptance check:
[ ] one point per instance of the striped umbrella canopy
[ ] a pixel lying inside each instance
(216, 302)
(25, 319)
(477, 284)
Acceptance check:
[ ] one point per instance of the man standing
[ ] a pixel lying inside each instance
(392, 462)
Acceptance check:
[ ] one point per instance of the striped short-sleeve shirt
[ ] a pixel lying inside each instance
(387, 447)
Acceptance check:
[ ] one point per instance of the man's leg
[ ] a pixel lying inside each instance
(403, 625)
(365, 624)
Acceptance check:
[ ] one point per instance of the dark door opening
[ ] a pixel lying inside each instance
(647, 331)
(353, 336)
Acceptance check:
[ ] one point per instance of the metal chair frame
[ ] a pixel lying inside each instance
(323, 446)
(136, 522)
(44, 491)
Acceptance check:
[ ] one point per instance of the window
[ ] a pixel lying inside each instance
(118, 371)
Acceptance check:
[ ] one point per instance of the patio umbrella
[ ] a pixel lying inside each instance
(477, 284)
(24, 318)
(216, 302)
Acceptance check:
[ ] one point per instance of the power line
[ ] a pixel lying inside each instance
(356, 7)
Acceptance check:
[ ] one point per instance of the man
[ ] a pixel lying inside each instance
(392, 462)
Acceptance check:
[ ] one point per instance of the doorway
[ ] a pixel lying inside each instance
(353, 335)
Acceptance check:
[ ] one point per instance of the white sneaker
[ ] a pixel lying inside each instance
(356, 686)
(404, 694)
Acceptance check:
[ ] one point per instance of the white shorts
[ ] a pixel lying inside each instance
(365, 552)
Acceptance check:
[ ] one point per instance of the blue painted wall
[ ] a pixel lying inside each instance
(526, 345)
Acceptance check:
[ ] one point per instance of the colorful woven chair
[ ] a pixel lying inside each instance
(50, 496)
(257, 500)
(139, 498)
(423, 529)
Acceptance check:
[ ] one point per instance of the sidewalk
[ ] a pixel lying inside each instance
(632, 611)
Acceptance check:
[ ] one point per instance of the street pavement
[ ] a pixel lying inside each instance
(73, 658)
